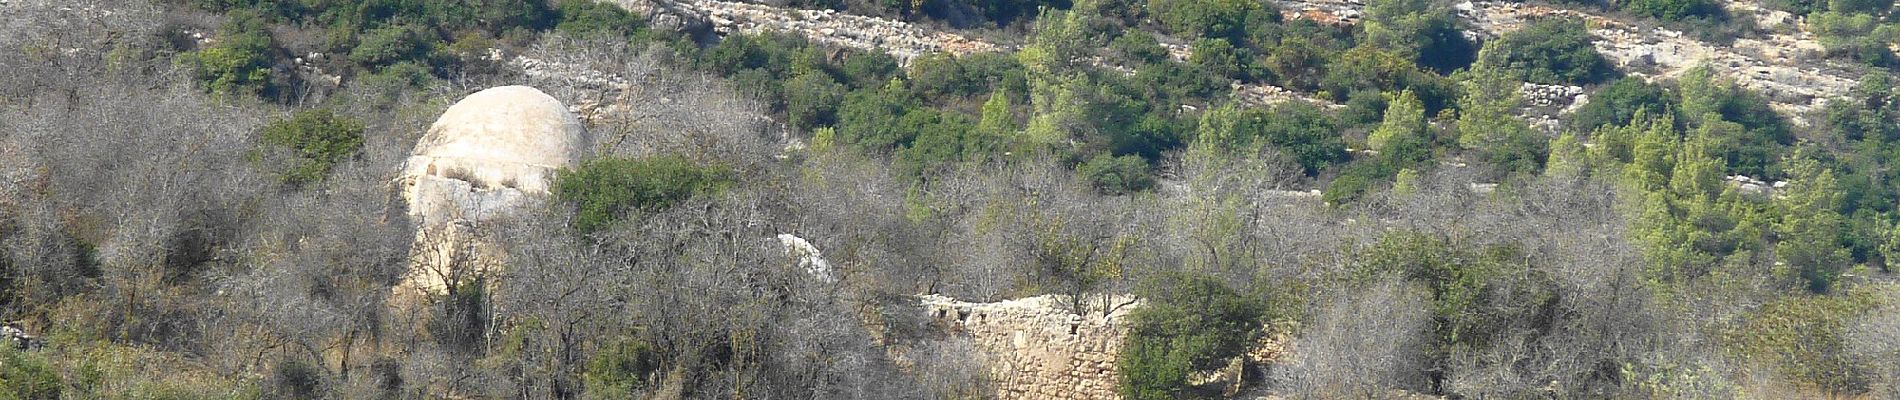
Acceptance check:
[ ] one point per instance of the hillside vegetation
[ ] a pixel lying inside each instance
(196, 202)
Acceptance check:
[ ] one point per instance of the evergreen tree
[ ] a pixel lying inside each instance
(1487, 126)
(1810, 228)
(1567, 157)
(997, 124)
(1402, 136)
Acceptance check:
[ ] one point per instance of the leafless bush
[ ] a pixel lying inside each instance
(1363, 346)
(1875, 340)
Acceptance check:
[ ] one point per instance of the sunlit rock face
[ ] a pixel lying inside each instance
(489, 152)
(492, 153)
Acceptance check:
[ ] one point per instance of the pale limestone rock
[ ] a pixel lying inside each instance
(807, 256)
(490, 154)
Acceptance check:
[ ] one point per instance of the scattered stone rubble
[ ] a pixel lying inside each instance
(20, 339)
(1332, 12)
(1751, 186)
(1542, 104)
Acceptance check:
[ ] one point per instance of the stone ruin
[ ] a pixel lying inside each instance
(1035, 348)
(491, 154)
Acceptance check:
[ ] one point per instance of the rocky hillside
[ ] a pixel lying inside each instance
(1784, 62)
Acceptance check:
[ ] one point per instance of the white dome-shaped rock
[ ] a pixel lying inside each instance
(489, 155)
(490, 150)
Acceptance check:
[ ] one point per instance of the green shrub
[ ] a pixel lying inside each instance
(400, 76)
(1478, 293)
(317, 139)
(391, 44)
(1189, 323)
(241, 60)
(605, 190)
(942, 139)
(811, 100)
(869, 69)
(620, 368)
(943, 77)
(1213, 19)
(1854, 36)
(1138, 48)
(1618, 104)
(1116, 175)
(589, 17)
(868, 118)
(1674, 10)
(1297, 129)
(1218, 57)
(1370, 69)
(1798, 7)
(1420, 31)
(1551, 51)
(1297, 63)
(25, 375)
(1352, 183)
(1758, 135)
(1489, 128)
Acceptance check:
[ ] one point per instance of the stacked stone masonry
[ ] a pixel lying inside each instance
(1036, 348)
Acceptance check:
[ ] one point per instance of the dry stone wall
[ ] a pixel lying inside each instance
(1036, 348)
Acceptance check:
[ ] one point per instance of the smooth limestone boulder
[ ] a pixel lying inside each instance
(488, 152)
(489, 155)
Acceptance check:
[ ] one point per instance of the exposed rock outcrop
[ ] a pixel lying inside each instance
(807, 257)
(1784, 65)
(902, 40)
(489, 155)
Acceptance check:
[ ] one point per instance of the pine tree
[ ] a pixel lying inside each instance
(1402, 135)
(1487, 127)
(995, 128)
(1567, 157)
(1652, 156)
(1810, 228)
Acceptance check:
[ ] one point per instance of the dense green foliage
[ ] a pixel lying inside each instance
(1189, 323)
(1421, 31)
(1487, 128)
(1857, 35)
(607, 190)
(1217, 19)
(1551, 51)
(1297, 129)
(316, 139)
(1673, 10)
(1116, 175)
(241, 62)
(1619, 102)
